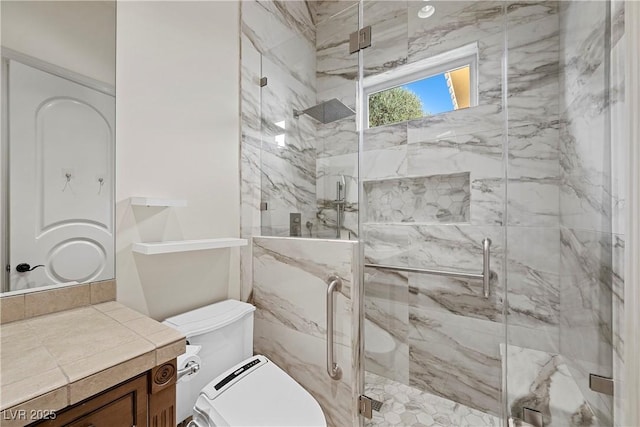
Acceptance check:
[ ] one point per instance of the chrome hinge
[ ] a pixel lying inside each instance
(517, 422)
(360, 39)
(532, 417)
(263, 81)
(365, 407)
(263, 206)
(600, 384)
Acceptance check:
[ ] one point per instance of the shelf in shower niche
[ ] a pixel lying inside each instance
(153, 201)
(154, 248)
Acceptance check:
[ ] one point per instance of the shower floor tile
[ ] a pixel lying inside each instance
(409, 407)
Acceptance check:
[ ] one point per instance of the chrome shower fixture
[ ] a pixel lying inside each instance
(327, 111)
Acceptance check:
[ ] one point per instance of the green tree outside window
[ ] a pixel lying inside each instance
(393, 106)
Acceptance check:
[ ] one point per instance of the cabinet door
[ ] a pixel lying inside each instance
(122, 406)
(118, 413)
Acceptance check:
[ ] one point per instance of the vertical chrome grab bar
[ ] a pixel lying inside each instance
(335, 284)
(486, 267)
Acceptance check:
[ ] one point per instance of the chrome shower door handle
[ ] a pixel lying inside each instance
(486, 267)
(335, 284)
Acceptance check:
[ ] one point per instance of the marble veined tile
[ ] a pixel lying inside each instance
(582, 44)
(335, 65)
(534, 175)
(454, 24)
(282, 95)
(487, 201)
(590, 286)
(314, 257)
(303, 357)
(381, 137)
(327, 9)
(288, 182)
(250, 88)
(386, 244)
(456, 248)
(337, 138)
(533, 278)
(389, 49)
(478, 152)
(330, 171)
(457, 358)
(289, 292)
(484, 117)
(279, 32)
(590, 193)
(386, 324)
(618, 329)
(295, 14)
(533, 69)
(427, 199)
(541, 381)
(385, 163)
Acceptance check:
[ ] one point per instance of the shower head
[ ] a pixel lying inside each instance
(327, 111)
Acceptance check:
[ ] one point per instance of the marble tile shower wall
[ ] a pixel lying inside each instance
(592, 196)
(337, 142)
(283, 34)
(278, 155)
(559, 209)
(290, 321)
(447, 336)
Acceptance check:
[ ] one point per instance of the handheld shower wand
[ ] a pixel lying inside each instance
(341, 185)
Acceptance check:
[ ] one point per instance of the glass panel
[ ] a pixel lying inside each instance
(564, 227)
(433, 189)
(308, 127)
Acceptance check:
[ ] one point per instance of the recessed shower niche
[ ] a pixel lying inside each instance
(422, 199)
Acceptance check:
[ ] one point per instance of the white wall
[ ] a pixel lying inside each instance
(76, 35)
(177, 124)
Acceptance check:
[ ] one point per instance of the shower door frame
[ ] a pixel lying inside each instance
(631, 415)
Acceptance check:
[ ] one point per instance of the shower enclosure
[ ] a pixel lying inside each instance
(517, 180)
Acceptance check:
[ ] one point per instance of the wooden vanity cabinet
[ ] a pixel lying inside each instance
(147, 400)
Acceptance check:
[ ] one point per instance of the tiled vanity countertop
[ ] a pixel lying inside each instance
(52, 361)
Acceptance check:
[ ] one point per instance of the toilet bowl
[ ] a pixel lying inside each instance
(231, 386)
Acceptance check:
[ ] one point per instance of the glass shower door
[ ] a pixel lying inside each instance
(565, 231)
(433, 189)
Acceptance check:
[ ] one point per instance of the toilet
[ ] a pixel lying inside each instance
(232, 387)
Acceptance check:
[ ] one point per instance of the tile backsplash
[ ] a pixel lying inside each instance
(37, 303)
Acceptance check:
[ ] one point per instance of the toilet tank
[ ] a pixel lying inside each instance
(225, 332)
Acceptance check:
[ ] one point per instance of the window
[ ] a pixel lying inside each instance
(435, 85)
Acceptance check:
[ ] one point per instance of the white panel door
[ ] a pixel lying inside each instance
(61, 189)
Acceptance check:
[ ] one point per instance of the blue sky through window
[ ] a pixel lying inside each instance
(434, 94)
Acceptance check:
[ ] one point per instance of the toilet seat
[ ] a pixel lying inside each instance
(256, 392)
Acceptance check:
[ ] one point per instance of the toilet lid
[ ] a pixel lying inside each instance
(256, 392)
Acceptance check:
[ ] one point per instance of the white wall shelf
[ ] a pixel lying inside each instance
(154, 248)
(152, 201)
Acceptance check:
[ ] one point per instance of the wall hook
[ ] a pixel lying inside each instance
(67, 176)
(101, 181)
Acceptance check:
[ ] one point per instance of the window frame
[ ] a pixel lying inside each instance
(423, 69)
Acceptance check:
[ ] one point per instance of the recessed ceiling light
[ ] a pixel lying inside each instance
(426, 11)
